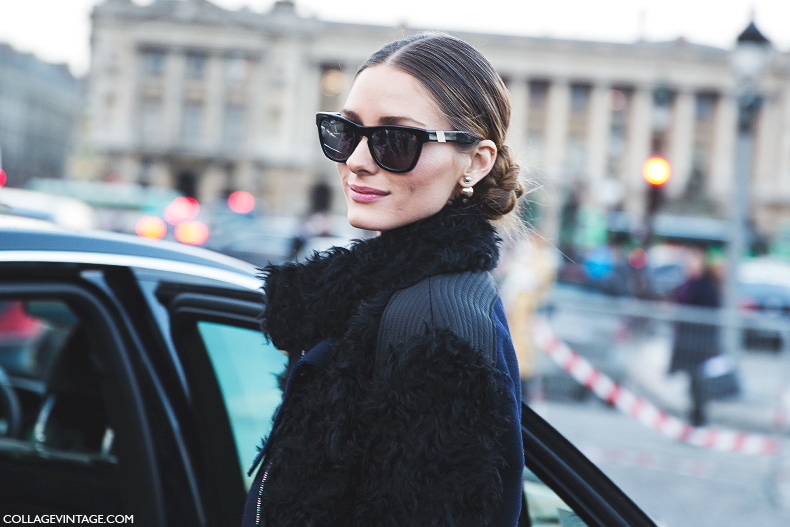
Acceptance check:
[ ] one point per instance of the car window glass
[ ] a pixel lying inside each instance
(545, 507)
(55, 401)
(246, 367)
(58, 421)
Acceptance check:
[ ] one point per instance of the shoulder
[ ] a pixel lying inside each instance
(460, 302)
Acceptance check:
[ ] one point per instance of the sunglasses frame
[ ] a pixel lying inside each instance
(423, 136)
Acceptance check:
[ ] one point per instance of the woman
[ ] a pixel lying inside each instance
(696, 342)
(402, 400)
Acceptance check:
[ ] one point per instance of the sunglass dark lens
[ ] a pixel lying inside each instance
(337, 139)
(395, 149)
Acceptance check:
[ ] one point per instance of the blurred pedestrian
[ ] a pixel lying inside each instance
(529, 268)
(402, 403)
(695, 342)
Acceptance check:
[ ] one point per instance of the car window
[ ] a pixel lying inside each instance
(246, 367)
(55, 379)
(69, 433)
(545, 507)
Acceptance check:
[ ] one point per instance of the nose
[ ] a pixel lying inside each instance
(360, 160)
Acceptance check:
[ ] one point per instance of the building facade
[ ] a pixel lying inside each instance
(184, 94)
(40, 106)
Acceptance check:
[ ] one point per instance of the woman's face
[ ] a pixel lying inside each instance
(380, 200)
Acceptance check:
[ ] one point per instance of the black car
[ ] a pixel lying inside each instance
(134, 382)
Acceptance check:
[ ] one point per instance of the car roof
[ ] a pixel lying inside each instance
(28, 243)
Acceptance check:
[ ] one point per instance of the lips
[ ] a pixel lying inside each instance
(363, 194)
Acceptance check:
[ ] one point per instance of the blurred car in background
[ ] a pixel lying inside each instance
(259, 241)
(134, 380)
(117, 205)
(67, 211)
(276, 239)
(765, 292)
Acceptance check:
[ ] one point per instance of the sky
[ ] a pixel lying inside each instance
(59, 30)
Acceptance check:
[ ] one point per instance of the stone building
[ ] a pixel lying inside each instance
(182, 93)
(39, 109)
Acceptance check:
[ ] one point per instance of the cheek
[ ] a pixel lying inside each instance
(437, 171)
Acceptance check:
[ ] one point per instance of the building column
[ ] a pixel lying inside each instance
(765, 173)
(638, 148)
(519, 108)
(172, 105)
(288, 65)
(214, 102)
(257, 102)
(681, 141)
(125, 115)
(719, 184)
(783, 164)
(556, 134)
(599, 123)
(311, 101)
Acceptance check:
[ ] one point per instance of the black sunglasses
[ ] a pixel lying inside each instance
(393, 148)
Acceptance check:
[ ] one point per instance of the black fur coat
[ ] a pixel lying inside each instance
(417, 437)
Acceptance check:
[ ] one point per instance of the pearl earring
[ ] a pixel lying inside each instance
(467, 193)
(467, 179)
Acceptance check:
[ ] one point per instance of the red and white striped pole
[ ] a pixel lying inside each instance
(642, 409)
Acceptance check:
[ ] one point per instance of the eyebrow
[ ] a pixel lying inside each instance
(389, 119)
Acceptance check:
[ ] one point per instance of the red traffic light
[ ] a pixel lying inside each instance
(181, 209)
(656, 170)
(241, 202)
(2, 177)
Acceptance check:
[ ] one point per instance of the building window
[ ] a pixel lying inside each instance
(705, 106)
(618, 100)
(191, 123)
(333, 83)
(538, 93)
(575, 155)
(580, 97)
(237, 68)
(153, 61)
(619, 105)
(150, 120)
(196, 65)
(233, 125)
(146, 167)
(534, 147)
(663, 99)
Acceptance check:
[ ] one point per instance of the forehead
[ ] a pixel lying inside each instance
(382, 92)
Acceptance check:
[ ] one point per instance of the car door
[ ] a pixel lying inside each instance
(232, 373)
(74, 438)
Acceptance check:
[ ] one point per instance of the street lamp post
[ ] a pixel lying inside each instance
(749, 61)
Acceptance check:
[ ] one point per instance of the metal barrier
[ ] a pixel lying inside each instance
(755, 421)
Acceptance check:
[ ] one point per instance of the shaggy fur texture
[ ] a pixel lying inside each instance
(415, 439)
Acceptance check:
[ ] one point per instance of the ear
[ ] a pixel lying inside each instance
(482, 160)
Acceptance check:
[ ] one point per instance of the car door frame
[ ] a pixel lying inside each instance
(597, 500)
(109, 332)
(217, 443)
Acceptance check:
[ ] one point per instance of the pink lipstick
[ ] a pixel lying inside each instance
(362, 194)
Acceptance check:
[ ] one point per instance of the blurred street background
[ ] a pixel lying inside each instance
(659, 221)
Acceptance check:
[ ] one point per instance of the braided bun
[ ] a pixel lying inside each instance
(497, 194)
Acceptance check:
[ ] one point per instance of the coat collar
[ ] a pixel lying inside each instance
(308, 302)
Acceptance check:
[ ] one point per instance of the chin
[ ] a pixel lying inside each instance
(370, 222)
